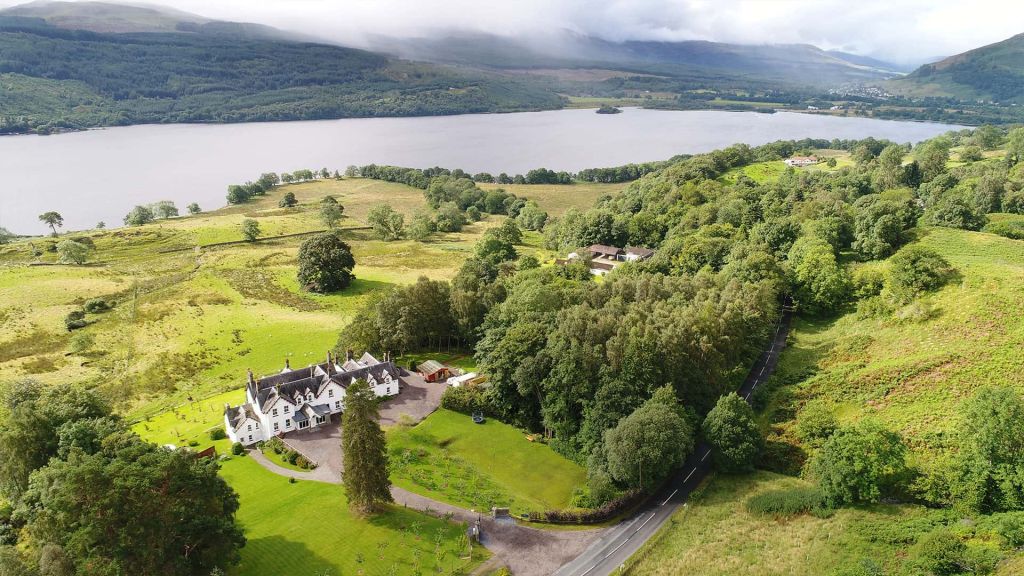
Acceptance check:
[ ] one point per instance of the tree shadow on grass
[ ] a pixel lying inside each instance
(278, 555)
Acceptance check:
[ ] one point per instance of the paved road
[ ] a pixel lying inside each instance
(617, 544)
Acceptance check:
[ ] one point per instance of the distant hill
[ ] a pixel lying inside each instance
(799, 64)
(992, 73)
(76, 65)
(109, 18)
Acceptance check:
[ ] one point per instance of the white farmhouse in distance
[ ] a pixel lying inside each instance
(801, 161)
(305, 398)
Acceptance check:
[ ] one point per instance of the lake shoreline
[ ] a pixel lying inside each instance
(99, 174)
(826, 113)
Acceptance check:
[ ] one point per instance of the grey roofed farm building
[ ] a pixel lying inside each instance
(604, 259)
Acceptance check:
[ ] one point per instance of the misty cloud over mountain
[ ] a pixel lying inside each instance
(903, 31)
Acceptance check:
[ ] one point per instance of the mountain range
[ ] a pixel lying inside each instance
(80, 64)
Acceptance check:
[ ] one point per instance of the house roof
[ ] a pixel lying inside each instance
(602, 249)
(239, 414)
(639, 251)
(431, 367)
(313, 379)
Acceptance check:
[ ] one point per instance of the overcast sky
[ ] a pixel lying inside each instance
(899, 30)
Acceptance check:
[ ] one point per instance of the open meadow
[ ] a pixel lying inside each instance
(194, 308)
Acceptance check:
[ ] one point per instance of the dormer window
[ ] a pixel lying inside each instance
(298, 400)
(309, 396)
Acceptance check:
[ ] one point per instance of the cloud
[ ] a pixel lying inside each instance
(899, 30)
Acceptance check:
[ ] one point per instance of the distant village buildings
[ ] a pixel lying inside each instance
(305, 398)
(604, 259)
(801, 161)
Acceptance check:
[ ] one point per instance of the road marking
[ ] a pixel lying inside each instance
(771, 352)
(672, 494)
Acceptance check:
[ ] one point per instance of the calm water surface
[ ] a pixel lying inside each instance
(100, 174)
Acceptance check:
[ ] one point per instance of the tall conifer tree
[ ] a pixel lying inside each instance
(366, 459)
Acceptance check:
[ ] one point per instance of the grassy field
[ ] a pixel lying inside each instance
(189, 323)
(557, 198)
(306, 528)
(715, 535)
(762, 172)
(449, 458)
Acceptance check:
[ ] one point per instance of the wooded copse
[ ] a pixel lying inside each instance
(575, 359)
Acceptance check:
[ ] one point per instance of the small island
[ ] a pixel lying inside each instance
(608, 109)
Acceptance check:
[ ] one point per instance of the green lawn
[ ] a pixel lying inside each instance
(306, 528)
(449, 458)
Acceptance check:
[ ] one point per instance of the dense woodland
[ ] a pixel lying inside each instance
(55, 78)
(598, 367)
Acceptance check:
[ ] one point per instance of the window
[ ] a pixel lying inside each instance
(287, 423)
(275, 412)
(298, 400)
(276, 427)
(388, 390)
(287, 409)
(309, 396)
(303, 424)
(250, 437)
(337, 405)
(248, 428)
(330, 393)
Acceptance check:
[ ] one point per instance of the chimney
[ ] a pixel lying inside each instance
(348, 354)
(287, 365)
(250, 376)
(329, 363)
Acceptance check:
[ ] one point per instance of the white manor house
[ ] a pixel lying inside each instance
(305, 398)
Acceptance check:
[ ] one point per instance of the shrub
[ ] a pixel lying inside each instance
(602, 513)
(1010, 527)
(916, 269)
(1011, 230)
(237, 449)
(468, 399)
(193, 443)
(275, 445)
(75, 320)
(859, 464)
(787, 502)
(940, 552)
(291, 457)
(302, 462)
(816, 422)
(218, 433)
(81, 342)
(97, 305)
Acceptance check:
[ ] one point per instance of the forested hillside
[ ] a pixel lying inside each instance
(55, 78)
(994, 72)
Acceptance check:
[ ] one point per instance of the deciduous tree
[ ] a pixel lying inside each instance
(734, 436)
(325, 263)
